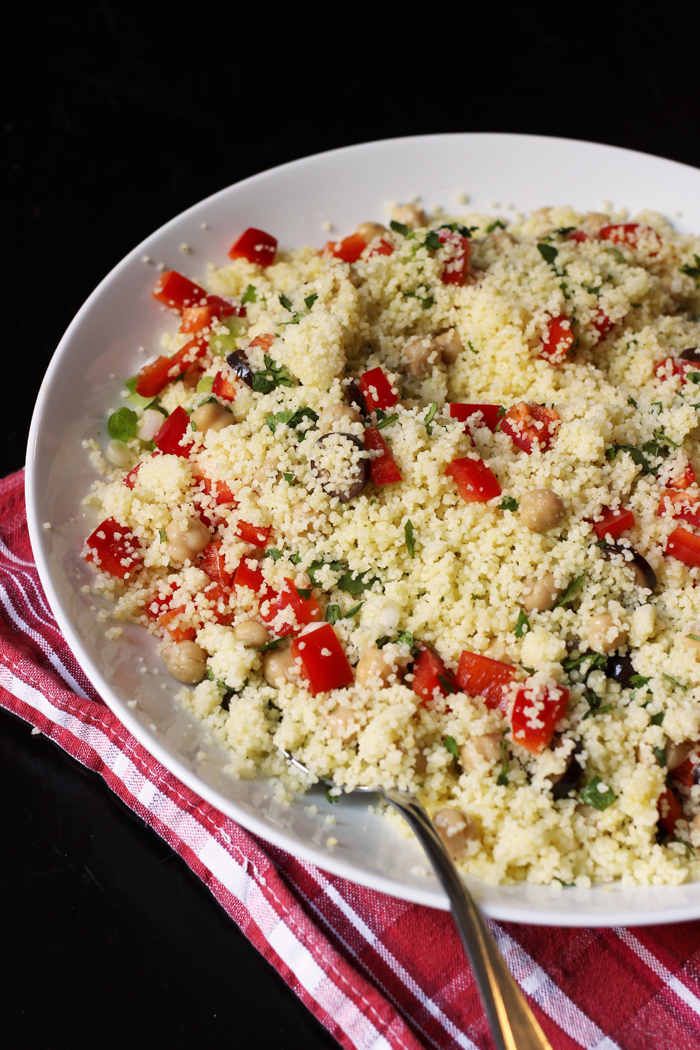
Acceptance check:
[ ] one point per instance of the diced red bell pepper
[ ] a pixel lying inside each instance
(156, 605)
(578, 235)
(176, 291)
(686, 479)
(475, 480)
(300, 609)
(252, 578)
(130, 479)
(430, 674)
(685, 773)
(256, 246)
(152, 378)
(220, 597)
(482, 676)
(614, 522)
(197, 318)
(324, 664)
(224, 384)
(382, 247)
(377, 390)
(684, 545)
(349, 249)
(631, 234)
(670, 811)
(214, 564)
(669, 367)
(490, 414)
(530, 426)
(258, 535)
(113, 548)
(218, 490)
(170, 434)
(557, 340)
(602, 323)
(536, 711)
(456, 268)
(172, 621)
(676, 503)
(383, 469)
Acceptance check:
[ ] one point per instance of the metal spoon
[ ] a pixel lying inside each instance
(513, 1025)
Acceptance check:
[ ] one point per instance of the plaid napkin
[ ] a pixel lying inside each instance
(379, 973)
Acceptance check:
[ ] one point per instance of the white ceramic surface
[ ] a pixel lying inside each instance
(100, 349)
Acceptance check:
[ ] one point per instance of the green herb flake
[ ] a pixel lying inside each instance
(285, 302)
(448, 686)
(635, 455)
(161, 535)
(334, 566)
(205, 384)
(249, 295)
(268, 647)
(310, 300)
(502, 778)
(495, 225)
(471, 347)
(355, 584)
(595, 704)
(400, 227)
(304, 592)
(598, 795)
(638, 680)
(564, 231)
(291, 417)
(631, 401)
(548, 252)
(508, 503)
(430, 417)
(660, 756)
(617, 253)
(121, 425)
(333, 614)
(675, 682)
(692, 271)
(522, 625)
(387, 421)
(432, 241)
(410, 539)
(695, 637)
(329, 797)
(289, 478)
(353, 612)
(274, 554)
(596, 660)
(451, 745)
(658, 718)
(571, 592)
(406, 638)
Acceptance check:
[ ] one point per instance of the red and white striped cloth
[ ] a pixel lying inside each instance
(379, 973)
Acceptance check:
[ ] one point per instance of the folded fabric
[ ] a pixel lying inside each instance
(377, 972)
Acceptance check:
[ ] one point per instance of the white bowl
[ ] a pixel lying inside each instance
(100, 350)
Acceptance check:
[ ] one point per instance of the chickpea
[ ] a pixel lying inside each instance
(341, 722)
(694, 830)
(498, 650)
(342, 414)
(604, 634)
(691, 644)
(410, 215)
(676, 754)
(449, 344)
(421, 763)
(279, 665)
(369, 230)
(251, 633)
(541, 509)
(372, 668)
(487, 747)
(184, 541)
(186, 661)
(541, 595)
(417, 356)
(595, 220)
(456, 829)
(211, 416)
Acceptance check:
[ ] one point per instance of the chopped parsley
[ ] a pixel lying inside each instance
(269, 646)
(400, 227)
(691, 271)
(304, 592)
(635, 454)
(406, 638)
(522, 625)
(548, 252)
(310, 300)
(447, 684)
(675, 682)
(502, 778)
(596, 661)
(249, 295)
(274, 554)
(335, 566)
(121, 425)
(495, 225)
(410, 539)
(386, 421)
(353, 612)
(658, 718)
(508, 503)
(638, 680)
(617, 253)
(595, 704)
(291, 417)
(330, 797)
(355, 584)
(451, 745)
(631, 401)
(456, 227)
(430, 417)
(161, 535)
(570, 592)
(333, 614)
(432, 242)
(271, 377)
(695, 637)
(564, 231)
(599, 799)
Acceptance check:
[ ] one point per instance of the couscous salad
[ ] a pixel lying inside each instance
(421, 508)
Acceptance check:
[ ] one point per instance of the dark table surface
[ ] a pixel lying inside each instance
(119, 116)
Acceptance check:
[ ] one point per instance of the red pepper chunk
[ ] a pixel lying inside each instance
(430, 674)
(578, 235)
(295, 606)
(480, 675)
(602, 323)
(170, 434)
(324, 664)
(214, 564)
(670, 811)
(172, 621)
(557, 340)
(475, 480)
(530, 426)
(680, 504)
(218, 490)
(220, 597)
(685, 773)
(252, 578)
(382, 469)
(258, 535)
(632, 234)
(381, 248)
(152, 378)
(176, 291)
(456, 268)
(377, 390)
(686, 479)
(536, 711)
(224, 385)
(113, 548)
(685, 546)
(256, 246)
(614, 522)
(349, 249)
(490, 414)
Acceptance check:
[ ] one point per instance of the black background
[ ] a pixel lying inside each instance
(119, 116)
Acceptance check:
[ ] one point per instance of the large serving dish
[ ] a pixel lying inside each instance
(498, 173)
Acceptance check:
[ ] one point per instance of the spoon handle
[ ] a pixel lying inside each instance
(512, 1022)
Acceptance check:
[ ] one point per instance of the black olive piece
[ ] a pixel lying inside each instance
(620, 669)
(692, 353)
(226, 700)
(644, 575)
(570, 779)
(361, 471)
(356, 398)
(241, 367)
